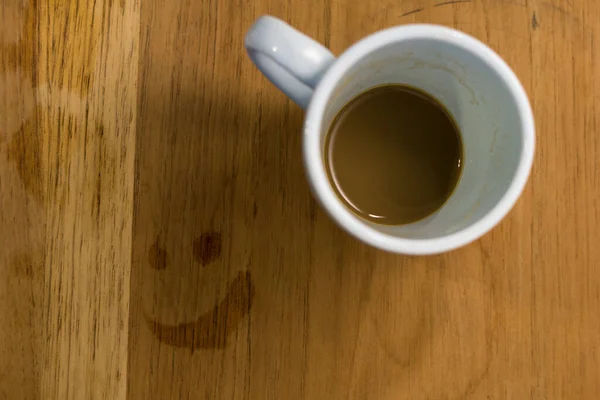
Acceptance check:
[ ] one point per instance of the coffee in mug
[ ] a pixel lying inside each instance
(393, 154)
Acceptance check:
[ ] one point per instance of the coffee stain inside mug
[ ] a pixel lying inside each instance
(212, 329)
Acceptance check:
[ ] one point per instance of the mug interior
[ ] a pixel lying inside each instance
(482, 94)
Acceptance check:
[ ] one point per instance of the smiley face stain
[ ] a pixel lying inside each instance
(207, 247)
(157, 256)
(212, 329)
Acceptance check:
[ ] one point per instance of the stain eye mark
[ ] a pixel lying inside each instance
(157, 256)
(207, 247)
(214, 327)
(534, 22)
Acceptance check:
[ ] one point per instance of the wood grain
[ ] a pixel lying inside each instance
(69, 95)
(158, 239)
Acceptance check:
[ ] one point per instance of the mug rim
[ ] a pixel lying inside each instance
(315, 166)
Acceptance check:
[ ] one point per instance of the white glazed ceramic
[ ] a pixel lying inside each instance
(472, 81)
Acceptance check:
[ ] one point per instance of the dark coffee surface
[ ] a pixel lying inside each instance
(394, 154)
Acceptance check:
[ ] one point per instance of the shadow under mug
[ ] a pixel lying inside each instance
(483, 94)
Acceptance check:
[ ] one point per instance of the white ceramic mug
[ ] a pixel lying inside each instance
(471, 80)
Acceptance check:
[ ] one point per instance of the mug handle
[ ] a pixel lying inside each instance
(292, 61)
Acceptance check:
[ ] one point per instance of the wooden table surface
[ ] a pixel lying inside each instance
(158, 239)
